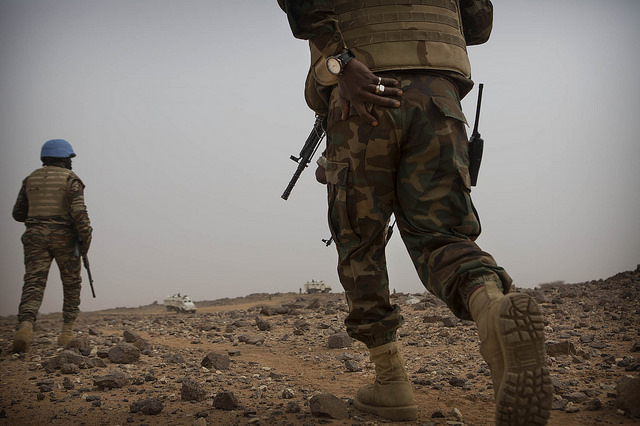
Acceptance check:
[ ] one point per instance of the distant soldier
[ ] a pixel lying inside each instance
(51, 205)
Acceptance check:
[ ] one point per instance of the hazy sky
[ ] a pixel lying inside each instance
(183, 115)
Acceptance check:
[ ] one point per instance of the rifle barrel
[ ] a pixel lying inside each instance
(85, 260)
(293, 181)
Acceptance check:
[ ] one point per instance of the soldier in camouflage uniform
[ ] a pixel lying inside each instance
(389, 76)
(51, 205)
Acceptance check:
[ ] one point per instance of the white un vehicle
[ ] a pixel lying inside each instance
(312, 286)
(179, 303)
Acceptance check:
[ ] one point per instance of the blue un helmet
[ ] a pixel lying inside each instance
(57, 148)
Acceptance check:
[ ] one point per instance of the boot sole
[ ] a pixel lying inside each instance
(398, 414)
(526, 391)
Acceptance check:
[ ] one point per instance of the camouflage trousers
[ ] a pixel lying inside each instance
(414, 165)
(42, 244)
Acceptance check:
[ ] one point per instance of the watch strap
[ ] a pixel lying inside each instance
(345, 57)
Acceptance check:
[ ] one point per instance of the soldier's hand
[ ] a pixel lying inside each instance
(357, 85)
(84, 247)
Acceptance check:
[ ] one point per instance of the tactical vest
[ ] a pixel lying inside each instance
(48, 192)
(393, 35)
(405, 34)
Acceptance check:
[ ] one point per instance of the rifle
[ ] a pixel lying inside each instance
(476, 144)
(306, 153)
(85, 261)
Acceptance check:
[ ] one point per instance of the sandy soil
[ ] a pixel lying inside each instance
(279, 360)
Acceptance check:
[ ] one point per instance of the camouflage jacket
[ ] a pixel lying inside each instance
(316, 21)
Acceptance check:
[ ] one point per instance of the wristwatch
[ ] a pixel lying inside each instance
(336, 64)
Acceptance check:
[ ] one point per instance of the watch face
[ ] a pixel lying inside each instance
(333, 65)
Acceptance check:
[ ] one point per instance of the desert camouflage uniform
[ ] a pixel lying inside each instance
(52, 237)
(414, 164)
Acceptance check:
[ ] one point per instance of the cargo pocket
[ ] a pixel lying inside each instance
(458, 162)
(337, 181)
(451, 108)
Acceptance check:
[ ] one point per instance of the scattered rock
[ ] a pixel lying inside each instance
(457, 415)
(98, 362)
(339, 340)
(288, 393)
(151, 406)
(68, 384)
(137, 341)
(457, 381)
(327, 405)
(314, 304)
(130, 337)
(351, 365)
(431, 319)
(173, 358)
(251, 340)
(262, 324)
(571, 408)
(113, 380)
(450, 321)
(81, 343)
(274, 310)
(64, 357)
(301, 326)
(69, 368)
(201, 414)
(576, 397)
(216, 361)
(560, 348)
(594, 405)
(226, 401)
(192, 391)
(293, 407)
(588, 338)
(124, 353)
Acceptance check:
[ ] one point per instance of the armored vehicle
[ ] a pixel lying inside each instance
(179, 303)
(316, 287)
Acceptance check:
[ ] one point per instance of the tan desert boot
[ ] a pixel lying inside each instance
(391, 395)
(66, 334)
(511, 330)
(22, 339)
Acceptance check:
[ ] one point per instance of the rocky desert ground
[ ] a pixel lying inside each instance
(284, 359)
